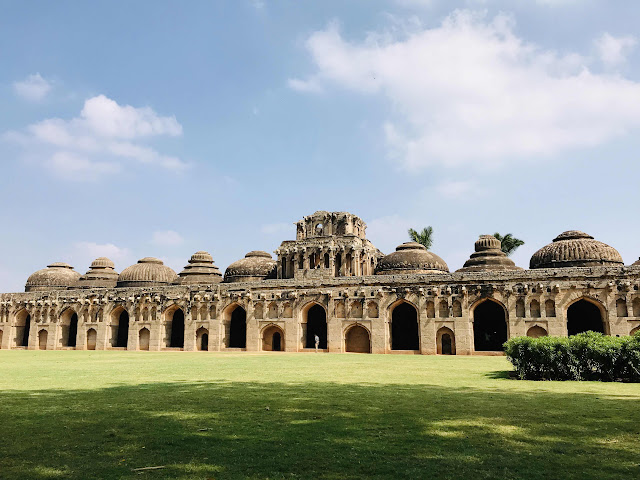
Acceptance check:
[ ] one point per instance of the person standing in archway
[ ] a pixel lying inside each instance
(317, 340)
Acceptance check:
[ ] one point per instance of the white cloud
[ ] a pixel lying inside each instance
(33, 88)
(83, 253)
(167, 238)
(456, 189)
(103, 136)
(613, 51)
(70, 166)
(471, 92)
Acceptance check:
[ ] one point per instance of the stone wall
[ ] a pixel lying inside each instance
(533, 301)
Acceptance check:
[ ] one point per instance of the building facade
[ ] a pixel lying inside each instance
(330, 282)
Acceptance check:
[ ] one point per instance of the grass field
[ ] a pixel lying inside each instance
(68, 414)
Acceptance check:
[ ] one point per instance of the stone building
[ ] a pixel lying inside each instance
(333, 283)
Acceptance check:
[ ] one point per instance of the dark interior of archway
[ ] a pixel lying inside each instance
(276, 342)
(446, 344)
(177, 329)
(25, 337)
(316, 325)
(489, 327)
(583, 316)
(238, 329)
(73, 330)
(404, 328)
(123, 330)
(204, 342)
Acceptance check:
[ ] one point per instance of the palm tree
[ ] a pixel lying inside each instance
(509, 243)
(424, 237)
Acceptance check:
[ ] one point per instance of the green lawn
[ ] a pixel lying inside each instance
(68, 414)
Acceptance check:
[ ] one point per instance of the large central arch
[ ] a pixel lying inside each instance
(316, 325)
(585, 315)
(404, 327)
(489, 326)
(236, 316)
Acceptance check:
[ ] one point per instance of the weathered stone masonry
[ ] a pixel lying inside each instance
(331, 282)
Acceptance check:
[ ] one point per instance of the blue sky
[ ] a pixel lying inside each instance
(133, 129)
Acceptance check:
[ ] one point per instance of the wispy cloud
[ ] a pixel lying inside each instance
(33, 88)
(100, 140)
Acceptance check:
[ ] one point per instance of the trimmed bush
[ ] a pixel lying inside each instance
(586, 356)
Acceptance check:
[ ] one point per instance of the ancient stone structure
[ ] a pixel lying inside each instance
(333, 283)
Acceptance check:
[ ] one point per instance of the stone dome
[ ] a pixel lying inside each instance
(411, 257)
(488, 256)
(57, 276)
(575, 249)
(200, 270)
(101, 274)
(148, 272)
(636, 263)
(255, 266)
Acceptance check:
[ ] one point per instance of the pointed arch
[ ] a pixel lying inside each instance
(272, 338)
(68, 327)
(490, 327)
(119, 326)
(92, 339)
(446, 341)
(357, 339)
(174, 326)
(314, 324)
(585, 314)
(235, 323)
(536, 332)
(22, 328)
(43, 337)
(405, 330)
(202, 339)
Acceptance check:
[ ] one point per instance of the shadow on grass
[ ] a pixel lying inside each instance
(327, 430)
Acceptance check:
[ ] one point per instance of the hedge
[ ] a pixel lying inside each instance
(586, 356)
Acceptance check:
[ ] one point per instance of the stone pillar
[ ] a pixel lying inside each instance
(156, 331)
(253, 330)
(334, 330)
(190, 321)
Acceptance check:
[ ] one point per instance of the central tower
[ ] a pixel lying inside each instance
(328, 244)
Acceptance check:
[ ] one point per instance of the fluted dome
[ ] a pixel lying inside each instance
(575, 249)
(255, 266)
(201, 270)
(101, 274)
(148, 272)
(411, 257)
(57, 276)
(488, 256)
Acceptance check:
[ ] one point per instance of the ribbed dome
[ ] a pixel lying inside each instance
(148, 272)
(255, 266)
(411, 257)
(57, 276)
(488, 256)
(101, 274)
(575, 249)
(201, 270)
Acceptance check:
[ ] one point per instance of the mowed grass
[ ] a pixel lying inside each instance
(68, 414)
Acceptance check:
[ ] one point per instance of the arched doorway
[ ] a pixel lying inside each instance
(176, 329)
(43, 336)
(238, 328)
(273, 339)
(357, 340)
(22, 329)
(92, 339)
(73, 330)
(584, 316)
(404, 327)
(316, 325)
(144, 337)
(536, 332)
(489, 327)
(446, 342)
(119, 328)
(202, 339)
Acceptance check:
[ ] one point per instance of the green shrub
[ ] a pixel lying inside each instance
(587, 356)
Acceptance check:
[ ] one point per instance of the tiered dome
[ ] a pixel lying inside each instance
(488, 256)
(575, 249)
(101, 274)
(148, 272)
(201, 270)
(411, 257)
(255, 266)
(636, 263)
(57, 276)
